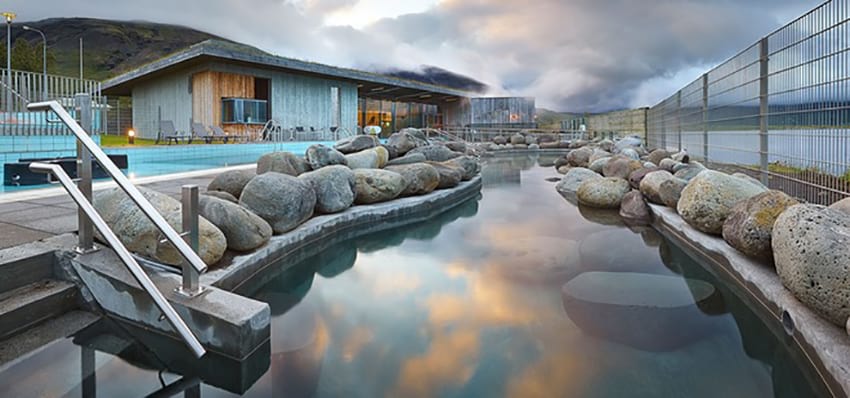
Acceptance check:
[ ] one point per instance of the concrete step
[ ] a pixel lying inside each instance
(23, 267)
(31, 304)
(44, 334)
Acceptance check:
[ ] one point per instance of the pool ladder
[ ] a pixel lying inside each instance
(89, 218)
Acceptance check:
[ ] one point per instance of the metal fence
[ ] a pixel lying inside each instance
(778, 110)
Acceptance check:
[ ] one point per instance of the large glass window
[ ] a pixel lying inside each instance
(244, 111)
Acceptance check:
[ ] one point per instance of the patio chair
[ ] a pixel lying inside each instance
(168, 133)
(299, 132)
(219, 133)
(200, 132)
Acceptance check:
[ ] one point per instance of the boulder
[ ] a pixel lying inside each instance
(637, 176)
(375, 185)
(841, 205)
(231, 181)
(650, 185)
(561, 161)
(450, 175)
(573, 178)
(745, 176)
(407, 159)
(421, 178)
(681, 156)
(550, 145)
(407, 139)
(811, 256)
(391, 151)
(621, 167)
(606, 193)
(517, 139)
(667, 164)
(606, 145)
(436, 153)
(689, 171)
(575, 144)
(282, 162)
(530, 140)
(222, 195)
(139, 234)
(634, 209)
(373, 158)
(708, 199)
(319, 156)
(509, 146)
(749, 226)
(670, 191)
(520, 146)
(334, 188)
(598, 154)
(242, 229)
(457, 146)
(598, 165)
(630, 153)
(657, 156)
(630, 141)
(534, 147)
(356, 143)
(285, 202)
(500, 140)
(579, 157)
(564, 169)
(470, 166)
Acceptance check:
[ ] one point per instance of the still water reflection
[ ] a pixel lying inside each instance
(470, 304)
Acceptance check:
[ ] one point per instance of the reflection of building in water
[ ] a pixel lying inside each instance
(498, 171)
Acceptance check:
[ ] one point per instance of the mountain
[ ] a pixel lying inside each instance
(551, 120)
(113, 47)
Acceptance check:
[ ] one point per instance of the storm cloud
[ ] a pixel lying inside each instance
(572, 55)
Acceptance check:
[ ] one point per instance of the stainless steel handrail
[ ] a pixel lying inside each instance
(125, 256)
(147, 208)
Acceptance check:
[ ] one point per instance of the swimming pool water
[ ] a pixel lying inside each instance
(469, 304)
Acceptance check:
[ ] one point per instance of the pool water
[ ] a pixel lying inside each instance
(470, 304)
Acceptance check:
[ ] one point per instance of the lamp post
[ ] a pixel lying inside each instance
(43, 59)
(9, 17)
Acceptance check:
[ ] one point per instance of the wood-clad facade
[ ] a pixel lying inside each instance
(209, 88)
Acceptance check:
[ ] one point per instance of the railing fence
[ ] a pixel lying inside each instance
(779, 110)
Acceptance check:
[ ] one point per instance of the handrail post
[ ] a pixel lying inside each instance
(763, 111)
(191, 286)
(84, 174)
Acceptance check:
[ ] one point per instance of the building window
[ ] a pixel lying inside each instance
(244, 111)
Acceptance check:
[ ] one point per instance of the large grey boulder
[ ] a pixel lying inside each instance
(139, 234)
(500, 140)
(243, 229)
(573, 178)
(708, 199)
(282, 162)
(407, 159)
(598, 165)
(457, 146)
(450, 175)
(606, 193)
(657, 155)
(689, 170)
(421, 178)
(634, 210)
(231, 181)
(650, 185)
(670, 191)
(667, 164)
(334, 187)
(598, 154)
(285, 202)
(470, 166)
(579, 157)
(749, 226)
(530, 140)
(222, 195)
(356, 143)
(375, 185)
(626, 142)
(517, 139)
(606, 145)
(630, 153)
(637, 176)
(561, 161)
(407, 139)
(621, 167)
(811, 256)
(373, 158)
(319, 156)
(841, 205)
(436, 153)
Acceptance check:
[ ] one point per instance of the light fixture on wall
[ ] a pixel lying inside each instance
(131, 137)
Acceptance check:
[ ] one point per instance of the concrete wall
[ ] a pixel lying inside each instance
(296, 100)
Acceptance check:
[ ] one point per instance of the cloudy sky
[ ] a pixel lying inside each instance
(572, 55)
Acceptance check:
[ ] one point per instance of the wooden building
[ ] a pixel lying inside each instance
(239, 88)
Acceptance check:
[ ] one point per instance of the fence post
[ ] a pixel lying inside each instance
(705, 117)
(763, 110)
(679, 118)
(191, 286)
(84, 173)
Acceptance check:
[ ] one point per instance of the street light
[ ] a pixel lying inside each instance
(43, 59)
(9, 17)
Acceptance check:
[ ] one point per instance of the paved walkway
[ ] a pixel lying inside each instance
(28, 216)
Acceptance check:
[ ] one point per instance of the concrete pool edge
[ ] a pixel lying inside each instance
(826, 346)
(373, 218)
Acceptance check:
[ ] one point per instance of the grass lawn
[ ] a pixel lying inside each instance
(112, 141)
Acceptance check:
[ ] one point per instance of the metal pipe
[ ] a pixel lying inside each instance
(125, 256)
(85, 230)
(191, 285)
(170, 234)
(43, 60)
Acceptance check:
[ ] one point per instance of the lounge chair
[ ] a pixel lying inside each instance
(168, 133)
(218, 132)
(200, 132)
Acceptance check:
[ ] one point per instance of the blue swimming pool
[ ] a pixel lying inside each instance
(158, 160)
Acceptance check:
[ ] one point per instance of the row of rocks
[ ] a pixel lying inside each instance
(242, 209)
(807, 243)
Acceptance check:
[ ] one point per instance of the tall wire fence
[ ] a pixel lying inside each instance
(779, 110)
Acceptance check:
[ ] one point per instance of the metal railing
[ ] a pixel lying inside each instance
(487, 134)
(779, 110)
(88, 218)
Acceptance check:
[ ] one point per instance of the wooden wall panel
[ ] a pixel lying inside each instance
(209, 87)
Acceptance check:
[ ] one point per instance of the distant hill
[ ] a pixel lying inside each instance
(548, 119)
(114, 47)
